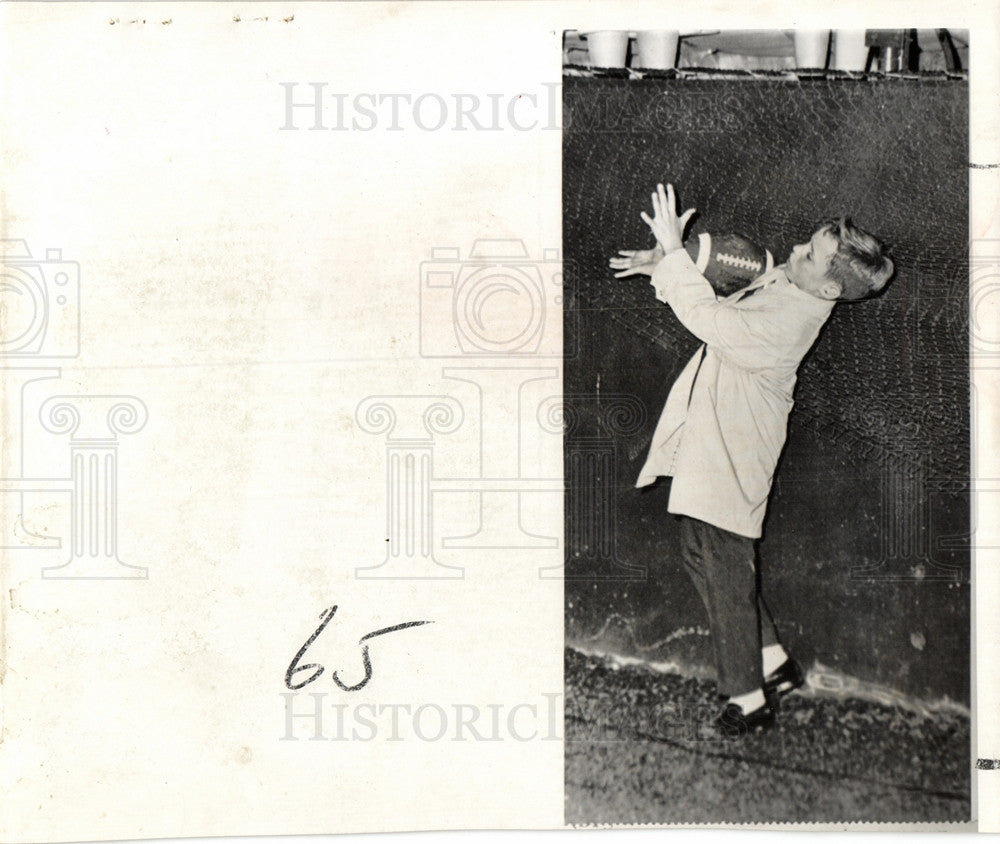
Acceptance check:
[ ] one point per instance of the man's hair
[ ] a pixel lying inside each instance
(860, 265)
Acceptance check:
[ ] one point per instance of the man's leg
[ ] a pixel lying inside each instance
(692, 546)
(782, 674)
(768, 632)
(692, 555)
(773, 655)
(722, 567)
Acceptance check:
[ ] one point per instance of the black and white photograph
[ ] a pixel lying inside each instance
(498, 418)
(768, 434)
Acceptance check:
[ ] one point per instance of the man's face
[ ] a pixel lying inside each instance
(807, 265)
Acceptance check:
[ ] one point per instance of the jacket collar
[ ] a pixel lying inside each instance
(806, 301)
(779, 280)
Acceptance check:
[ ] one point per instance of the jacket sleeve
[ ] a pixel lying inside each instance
(752, 339)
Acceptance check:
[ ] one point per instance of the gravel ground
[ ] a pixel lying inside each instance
(636, 753)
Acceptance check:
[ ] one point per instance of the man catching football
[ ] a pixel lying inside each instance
(724, 425)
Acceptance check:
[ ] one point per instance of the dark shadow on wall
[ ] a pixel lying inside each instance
(867, 542)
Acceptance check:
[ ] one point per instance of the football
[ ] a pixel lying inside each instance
(729, 261)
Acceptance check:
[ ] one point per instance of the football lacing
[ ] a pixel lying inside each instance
(737, 261)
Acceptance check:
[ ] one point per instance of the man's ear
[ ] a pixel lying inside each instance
(888, 268)
(830, 290)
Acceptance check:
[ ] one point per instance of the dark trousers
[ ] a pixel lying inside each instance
(723, 567)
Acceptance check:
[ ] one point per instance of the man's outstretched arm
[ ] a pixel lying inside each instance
(751, 339)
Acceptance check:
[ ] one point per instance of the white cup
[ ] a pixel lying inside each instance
(658, 48)
(811, 47)
(608, 47)
(849, 50)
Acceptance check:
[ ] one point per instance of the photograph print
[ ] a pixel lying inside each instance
(767, 440)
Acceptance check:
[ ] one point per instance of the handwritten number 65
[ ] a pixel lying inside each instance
(325, 618)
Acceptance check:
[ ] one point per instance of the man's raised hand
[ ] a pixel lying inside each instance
(667, 227)
(636, 261)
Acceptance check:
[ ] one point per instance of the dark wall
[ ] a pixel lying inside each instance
(865, 556)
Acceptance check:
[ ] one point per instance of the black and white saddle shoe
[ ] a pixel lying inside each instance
(784, 679)
(734, 723)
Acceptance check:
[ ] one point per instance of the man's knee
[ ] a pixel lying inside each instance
(731, 563)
